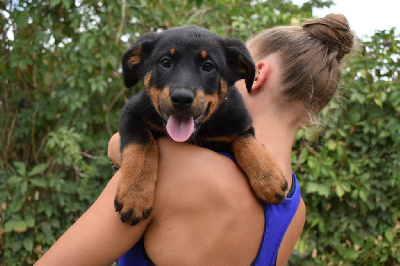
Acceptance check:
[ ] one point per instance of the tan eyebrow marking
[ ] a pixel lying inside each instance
(203, 54)
(172, 51)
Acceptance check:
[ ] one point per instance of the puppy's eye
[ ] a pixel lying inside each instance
(166, 63)
(208, 66)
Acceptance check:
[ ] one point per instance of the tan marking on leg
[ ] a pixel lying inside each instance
(138, 177)
(264, 173)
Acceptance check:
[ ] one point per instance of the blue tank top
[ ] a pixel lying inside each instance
(277, 220)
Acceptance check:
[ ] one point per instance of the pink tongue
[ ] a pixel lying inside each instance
(180, 128)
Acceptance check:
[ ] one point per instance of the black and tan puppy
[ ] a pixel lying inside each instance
(189, 75)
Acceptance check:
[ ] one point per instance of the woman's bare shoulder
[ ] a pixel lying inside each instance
(198, 172)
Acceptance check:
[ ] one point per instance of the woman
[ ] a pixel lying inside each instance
(205, 212)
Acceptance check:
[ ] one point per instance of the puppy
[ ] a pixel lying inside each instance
(189, 95)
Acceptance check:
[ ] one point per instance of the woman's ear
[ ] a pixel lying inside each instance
(261, 75)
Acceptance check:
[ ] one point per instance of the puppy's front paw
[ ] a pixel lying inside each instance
(270, 185)
(135, 192)
(134, 202)
(265, 175)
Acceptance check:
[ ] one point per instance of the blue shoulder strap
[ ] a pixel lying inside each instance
(277, 221)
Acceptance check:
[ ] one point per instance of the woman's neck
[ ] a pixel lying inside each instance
(278, 137)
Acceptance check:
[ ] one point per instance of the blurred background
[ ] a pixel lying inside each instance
(61, 93)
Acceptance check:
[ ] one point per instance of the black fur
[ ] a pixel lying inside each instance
(185, 61)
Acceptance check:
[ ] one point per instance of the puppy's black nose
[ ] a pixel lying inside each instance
(182, 99)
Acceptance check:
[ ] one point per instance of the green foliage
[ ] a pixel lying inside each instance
(351, 186)
(61, 93)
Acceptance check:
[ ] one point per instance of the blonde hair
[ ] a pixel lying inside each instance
(310, 57)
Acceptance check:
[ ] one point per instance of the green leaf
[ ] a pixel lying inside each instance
(345, 186)
(30, 221)
(24, 187)
(17, 245)
(9, 226)
(339, 191)
(331, 145)
(3, 196)
(42, 183)
(16, 204)
(37, 169)
(48, 210)
(14, 180)
(20, 168)
(373, 221)
(67, 3)
(21, 19)
(311, 187)
(389, 235)
(324, 190)
(54, 2)
(350, 254)
(363, 195)
(55, 222)
(20, 227)
(28, 244)
(22, 64)
(15, 225)
(369, 243)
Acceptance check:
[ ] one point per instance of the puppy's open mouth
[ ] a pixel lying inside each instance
(183, 126)
(180, 128)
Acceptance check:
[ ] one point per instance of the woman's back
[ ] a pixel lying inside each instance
(205, 212)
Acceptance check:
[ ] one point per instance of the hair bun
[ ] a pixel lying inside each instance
(333, 31)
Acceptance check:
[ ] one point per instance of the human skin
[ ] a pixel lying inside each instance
(205, 212)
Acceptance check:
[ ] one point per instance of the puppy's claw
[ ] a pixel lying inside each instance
(117, 205)
(147, 212)
(279, 198)
(135, 220)
(285, 186)
(126, 215)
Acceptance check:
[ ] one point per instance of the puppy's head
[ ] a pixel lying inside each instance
(187, 72)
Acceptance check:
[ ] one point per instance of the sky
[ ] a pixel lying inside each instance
(364, 16)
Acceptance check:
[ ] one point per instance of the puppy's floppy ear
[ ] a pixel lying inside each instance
(133, 61)
(239, 62)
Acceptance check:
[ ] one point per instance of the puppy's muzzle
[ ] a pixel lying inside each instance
(183, 112)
